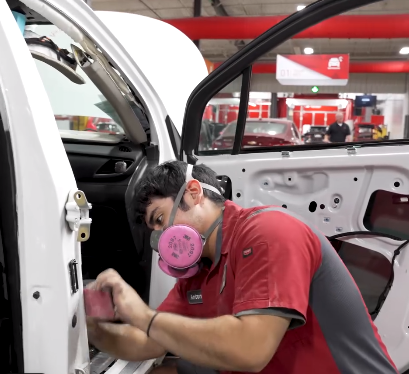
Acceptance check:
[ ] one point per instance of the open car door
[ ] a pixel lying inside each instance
(356, 194)
(42, 319)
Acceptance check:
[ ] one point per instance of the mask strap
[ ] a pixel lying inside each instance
(206, 186)
(182, 191)
(213, 226)
(176, 204)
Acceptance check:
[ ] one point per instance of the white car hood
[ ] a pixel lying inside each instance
(167, 57)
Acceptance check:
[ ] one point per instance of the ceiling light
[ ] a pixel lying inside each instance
(308, 51)
(404, 51)
(300, 7)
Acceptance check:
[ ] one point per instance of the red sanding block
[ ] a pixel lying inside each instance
(99, 305)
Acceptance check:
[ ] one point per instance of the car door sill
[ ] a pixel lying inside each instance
(127, 367)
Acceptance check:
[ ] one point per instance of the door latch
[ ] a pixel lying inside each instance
(72, 266)
(77, 208)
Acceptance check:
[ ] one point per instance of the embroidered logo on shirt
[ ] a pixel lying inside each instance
(194, 297)
(247, 252)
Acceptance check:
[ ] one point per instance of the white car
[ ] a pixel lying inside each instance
(156, 83)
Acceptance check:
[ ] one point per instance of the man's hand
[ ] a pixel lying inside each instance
(129, 307)
(122, 341)
(223, 343)
(92, 330)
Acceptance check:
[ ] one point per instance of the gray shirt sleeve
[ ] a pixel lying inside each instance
(297, 320)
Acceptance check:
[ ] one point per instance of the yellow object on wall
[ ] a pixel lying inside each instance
(79, 123)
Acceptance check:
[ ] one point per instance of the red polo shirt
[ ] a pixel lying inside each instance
(270, 262)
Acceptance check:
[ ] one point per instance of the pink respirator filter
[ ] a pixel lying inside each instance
(180, 246)
(178, 273)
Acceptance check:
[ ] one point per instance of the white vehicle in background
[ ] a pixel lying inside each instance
(46, 183)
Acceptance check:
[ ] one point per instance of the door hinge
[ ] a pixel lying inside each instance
(77, 208)
(351, 150)
(285, 154)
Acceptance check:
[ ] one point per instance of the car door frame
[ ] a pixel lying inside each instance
(43, 246)
(76, 18)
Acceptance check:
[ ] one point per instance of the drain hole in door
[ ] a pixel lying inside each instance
(313, 206)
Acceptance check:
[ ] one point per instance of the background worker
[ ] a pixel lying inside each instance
(339, 131)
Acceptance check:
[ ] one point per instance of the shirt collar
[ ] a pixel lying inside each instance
(219, 242)
(224, 233)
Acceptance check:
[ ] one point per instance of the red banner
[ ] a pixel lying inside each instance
(306, 70)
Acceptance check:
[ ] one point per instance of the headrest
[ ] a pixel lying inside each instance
(44, 49)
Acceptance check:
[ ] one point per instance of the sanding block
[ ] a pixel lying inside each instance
(99, 305)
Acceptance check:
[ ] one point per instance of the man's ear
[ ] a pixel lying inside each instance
(195, 191)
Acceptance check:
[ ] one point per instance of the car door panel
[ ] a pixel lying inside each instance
(309, 184)
(90, 162)
(42, 181)
(331, 186)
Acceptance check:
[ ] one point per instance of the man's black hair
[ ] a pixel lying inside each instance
(165, 180)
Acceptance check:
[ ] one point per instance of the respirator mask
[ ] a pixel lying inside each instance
(180, 247)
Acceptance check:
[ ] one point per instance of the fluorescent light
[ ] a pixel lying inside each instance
(308, 51)
(404, 51)
(300, 7)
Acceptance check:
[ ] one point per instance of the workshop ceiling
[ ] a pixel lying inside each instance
(219, 50)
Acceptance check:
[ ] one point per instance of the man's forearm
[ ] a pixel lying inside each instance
(124, 342)
(216, 343)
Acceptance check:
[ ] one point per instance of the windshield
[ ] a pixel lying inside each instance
(76, 107)
(258, 127)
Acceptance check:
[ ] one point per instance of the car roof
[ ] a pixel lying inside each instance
(277, 120)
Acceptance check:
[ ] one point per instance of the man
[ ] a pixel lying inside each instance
(339, 131)
(270, 295)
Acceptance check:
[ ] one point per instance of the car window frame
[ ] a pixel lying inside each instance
(236, 66)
